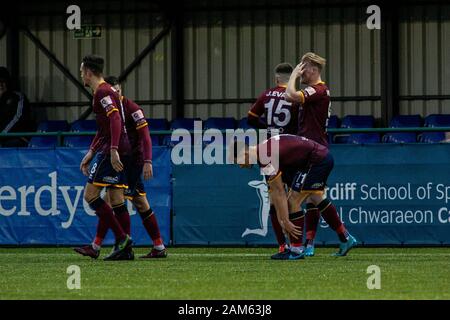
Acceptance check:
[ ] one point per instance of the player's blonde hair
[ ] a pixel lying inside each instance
(314, 59)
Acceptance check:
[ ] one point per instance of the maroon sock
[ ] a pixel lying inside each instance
(151, 225)
(311, 222)
(281, 239)
(102, 230)
(298, 219)
(123, 217)
(330, 215)
(105, 213)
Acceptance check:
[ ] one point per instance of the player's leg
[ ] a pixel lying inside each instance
(105, 215)
(278, 230)
(297, 217)
(312, 219)
(283, 249)
(150, 223)
(102, 229)
(316, 182)
(117, 200)
(120, 209)
(91, 193)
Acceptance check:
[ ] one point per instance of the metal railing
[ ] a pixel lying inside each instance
(340, 131)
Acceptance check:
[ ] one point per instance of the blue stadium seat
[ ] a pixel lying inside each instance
(358, 122)
(403, 121)
(437, 120)
(158, 124)
(400, 137)
(183, 123)
(220, 123)
(242, 124)
(155, 140)
(53, 126)
(362, 138)
(333, 123)
(406, 121)
(431, 137)
(48, 126)
(180, 123)
(78, 141)
(43, 142)
(84, 125)
(81, 141)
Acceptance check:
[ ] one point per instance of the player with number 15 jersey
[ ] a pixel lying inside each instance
(271, 110)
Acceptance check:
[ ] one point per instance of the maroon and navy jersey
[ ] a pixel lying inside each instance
(279, 113)
(106, 101)
(314, 113)
(294, 153)
(135, 120)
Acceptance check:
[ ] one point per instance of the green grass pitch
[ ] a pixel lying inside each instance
(227, 273)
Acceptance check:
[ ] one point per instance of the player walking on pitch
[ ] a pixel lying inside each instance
(140, 164)
(112, 148)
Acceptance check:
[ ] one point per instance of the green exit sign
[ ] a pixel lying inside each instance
(88, 32)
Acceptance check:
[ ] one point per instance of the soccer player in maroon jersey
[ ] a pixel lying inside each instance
(140, 164)
(108, 154)
(313, 121)
(278, 157)
(281, 115)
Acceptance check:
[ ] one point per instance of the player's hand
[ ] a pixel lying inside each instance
(291, 229)
(299, 69)
(147, 171)
(115, 160)
(84, 166)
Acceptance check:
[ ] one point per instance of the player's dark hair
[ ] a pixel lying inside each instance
(284, 68)
(94, 63)
(112, 80)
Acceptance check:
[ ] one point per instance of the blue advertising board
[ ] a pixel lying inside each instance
(41, 198)
(385, 195)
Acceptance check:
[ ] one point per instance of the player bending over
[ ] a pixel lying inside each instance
(305, 157)
(140, 163)
(108, 154)
(281, 115)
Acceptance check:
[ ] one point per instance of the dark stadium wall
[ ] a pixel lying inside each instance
(230, 54)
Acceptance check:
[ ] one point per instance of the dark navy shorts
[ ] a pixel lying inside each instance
(135, 184)
(315, 178)
(102, 174)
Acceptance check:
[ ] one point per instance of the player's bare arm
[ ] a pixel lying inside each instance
(115, 127)
(115, 160)
(279, 199)
(147, 171)
(84, 166)
(292, 94)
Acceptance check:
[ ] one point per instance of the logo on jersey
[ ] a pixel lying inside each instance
(137, 115)
(318, 185)
(109, 179)
(106, 101)
(310, 91)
